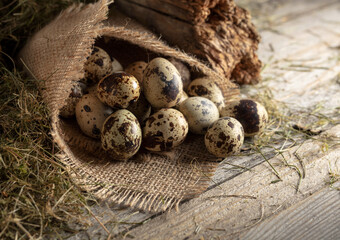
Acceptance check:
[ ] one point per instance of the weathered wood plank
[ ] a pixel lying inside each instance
(242, 202)
(148, 15)
(267, 15)
(303, 59)
(298, 87)
(317, 217)
(237, 200)
(304, 47)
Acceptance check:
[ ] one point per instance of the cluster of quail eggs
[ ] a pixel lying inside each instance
(155, 105)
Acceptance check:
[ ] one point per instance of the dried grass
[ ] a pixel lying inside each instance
(36, 194)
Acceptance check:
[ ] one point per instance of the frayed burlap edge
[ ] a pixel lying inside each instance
(55, 93)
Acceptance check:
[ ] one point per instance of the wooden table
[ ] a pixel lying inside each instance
(300, 50)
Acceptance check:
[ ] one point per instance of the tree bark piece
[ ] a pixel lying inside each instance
(217, 31)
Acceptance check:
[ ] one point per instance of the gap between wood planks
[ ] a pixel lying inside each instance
(247, 199)
(174, 224)
(239, 203)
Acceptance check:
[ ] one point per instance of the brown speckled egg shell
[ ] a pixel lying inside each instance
(91, 114)
(91, 90)
(121, 135)
(136, 69)
(206, 87)
(141, 109)
(200, 113)
(118, 90)
(164, 130)
(162, 83)
(116, 66)
(184, 97)
(69, 109)
(251, 114)
(225, 137)
(97, 66)
(183, 71)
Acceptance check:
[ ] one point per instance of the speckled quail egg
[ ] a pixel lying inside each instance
(118, 90)
(251, 114)
(206, 87)
(116, 66)
(183, 71)
(136, 69)
(184, 97)
(200, 113)
(97, 66)
(69, 109)
(162, 83)
(91, 90)
(91, 114)
(141, 109)
(121, 135)
(224, 137)
(164, 130)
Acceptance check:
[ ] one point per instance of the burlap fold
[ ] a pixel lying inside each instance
(56, 55)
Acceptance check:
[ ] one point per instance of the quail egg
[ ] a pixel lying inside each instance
(116, 66)
(141, 109)
(162, 83)
(118, 90)
(91, 114)
(77, 91)
(206, 87)
(121, 135)
(184, 97)
(97, 66)
(136, 69)
(200, 113)
(91, 90)
(251, 114)
(164, 130)
(224, 137)
(183, 71)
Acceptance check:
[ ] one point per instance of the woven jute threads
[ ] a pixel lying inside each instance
(155, 182)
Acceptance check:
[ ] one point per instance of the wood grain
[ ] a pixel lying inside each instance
(217, 32)
(301, 53)
(174, 27)
(240, 203)
(316, 217)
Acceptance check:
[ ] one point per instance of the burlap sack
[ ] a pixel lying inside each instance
(56, 55)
